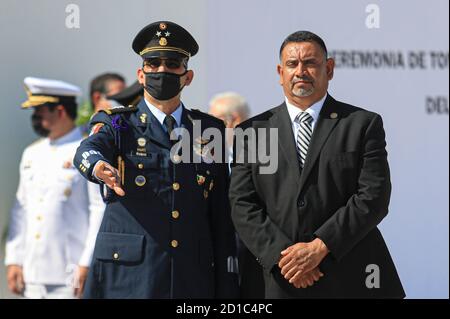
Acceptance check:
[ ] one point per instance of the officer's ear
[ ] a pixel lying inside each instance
(141, 76)
(189, 77)
(96, 97)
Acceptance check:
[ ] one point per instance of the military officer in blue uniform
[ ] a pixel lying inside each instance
(166, 232)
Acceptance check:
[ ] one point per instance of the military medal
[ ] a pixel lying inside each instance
(200, 179)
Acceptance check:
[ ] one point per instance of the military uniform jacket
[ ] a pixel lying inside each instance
(171, 235)
(56, 215)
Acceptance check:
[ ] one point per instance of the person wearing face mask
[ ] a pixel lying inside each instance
(56, 214)
(167, 230)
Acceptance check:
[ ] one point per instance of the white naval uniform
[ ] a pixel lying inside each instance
(56, 215)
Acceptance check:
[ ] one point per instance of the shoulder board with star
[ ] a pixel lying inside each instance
(120, 109)
(199, 114)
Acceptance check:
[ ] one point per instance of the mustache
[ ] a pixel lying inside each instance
(303, 78)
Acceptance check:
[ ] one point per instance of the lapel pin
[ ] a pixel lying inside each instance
(333, 115)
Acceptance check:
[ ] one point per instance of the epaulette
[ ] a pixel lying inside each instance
(201, 114)
(120, 109)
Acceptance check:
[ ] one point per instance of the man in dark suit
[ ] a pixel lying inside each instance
(167, 230)
(312, 223)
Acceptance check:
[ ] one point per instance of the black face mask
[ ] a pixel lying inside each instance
(163, 85)
(36, 123)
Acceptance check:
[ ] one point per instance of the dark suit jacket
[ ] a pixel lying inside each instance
(340, 196)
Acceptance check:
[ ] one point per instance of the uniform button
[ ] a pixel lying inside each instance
(175, 214)
(39, 217)
(174, 243)
(176, 186)
(140, 165)
(37, 236)
(41, 200)
(116, 256)
(301, 203)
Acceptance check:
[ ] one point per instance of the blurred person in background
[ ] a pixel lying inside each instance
(56, 216)
(101, 87)
(233, 109)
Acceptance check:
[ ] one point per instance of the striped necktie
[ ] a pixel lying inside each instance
(304, 134)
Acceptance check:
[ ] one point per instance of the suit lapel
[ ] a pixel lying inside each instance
(327, 120)
(282, 122)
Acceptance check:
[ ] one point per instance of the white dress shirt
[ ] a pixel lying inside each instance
(160, 115)
(313, 110)
(56, 215)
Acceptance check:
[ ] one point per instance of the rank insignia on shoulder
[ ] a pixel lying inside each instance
(120, 109)
(96, 128)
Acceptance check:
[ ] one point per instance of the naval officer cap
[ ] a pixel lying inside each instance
(46, 91)
(164, 39)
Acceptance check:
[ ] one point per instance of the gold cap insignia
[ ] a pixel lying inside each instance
(162, 41)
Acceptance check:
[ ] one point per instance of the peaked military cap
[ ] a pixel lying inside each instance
(128, 96)
(46, 91)
(164, 39)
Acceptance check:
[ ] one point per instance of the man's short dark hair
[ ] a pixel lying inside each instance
(304, 36)
(100, 83)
